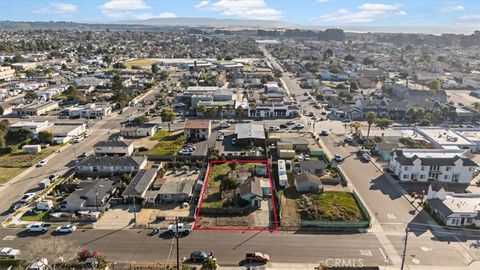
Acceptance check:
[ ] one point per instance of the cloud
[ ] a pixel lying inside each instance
(322, 1)
(470, 17)
(122, 8)
(163, 15)
(245, 9)
(367, 12)
(58, 8)
(452, 9)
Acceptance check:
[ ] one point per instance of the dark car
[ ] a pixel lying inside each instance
(283, 126)
(15, 206)
(257, 257)
(324, 133)
(200, 256)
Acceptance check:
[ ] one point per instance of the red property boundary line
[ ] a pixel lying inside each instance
(204, 189)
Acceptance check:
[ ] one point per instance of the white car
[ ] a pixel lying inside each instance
(120, 138)
(86, 134)
(41, 264)
(306, 157)
(349, 139)
(224, 125)
(42, 163)
(8, 252)
(27, 197)
(338, 158)
(220, 137)
(274, 128)
(184, 152)
(299, 126)
(366, 157)
(68, 228)
(78, 139)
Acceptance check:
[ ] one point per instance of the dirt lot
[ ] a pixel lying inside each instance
(226, 222)
(288, 206)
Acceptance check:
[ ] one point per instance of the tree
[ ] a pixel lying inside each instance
(420, 113)
(349, 57)
(117, 83)
(71, 93)
(45, 136)
(356, 126)
(202, 109)
(119, 66)
(155, 69)
(18, 59)
(31, 96)
(2, 110)
(277, 73)
(383, 122)
(167, 115)
(55, 249)
(239, 111)
(327, 54)
(424, 123)
(227, 183)
(476, 105)
(354, 85)
(209, 264)
(140, 120)
(411, 114)
(434, 85)
(121, 98)
(371, 117)
(341, 86)
(368, 62)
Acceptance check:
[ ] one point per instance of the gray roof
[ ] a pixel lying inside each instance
(249, 131)
(112, 161)
(312, 165)
(440, 207)
(403, 160)
(140, 182)
(438, 185)
(173, 187)
(86, 190)
(251, 186)
(307, 177)
(112, 144)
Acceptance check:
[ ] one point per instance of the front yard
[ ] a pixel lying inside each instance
(168, 143)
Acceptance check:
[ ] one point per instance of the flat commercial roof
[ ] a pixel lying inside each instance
(462, 204)
(445, 136)
(249, 131)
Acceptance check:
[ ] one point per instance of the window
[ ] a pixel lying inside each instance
(424, 168)
(448, 169)
(406, 176)
(445, 177)
(422, 176)
(455, 177)
(405, 168)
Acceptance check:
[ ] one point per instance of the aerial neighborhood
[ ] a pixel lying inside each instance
(130, 134)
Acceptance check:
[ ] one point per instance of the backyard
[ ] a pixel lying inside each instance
(168, 143)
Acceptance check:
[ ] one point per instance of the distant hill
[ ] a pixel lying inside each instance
(213, 23)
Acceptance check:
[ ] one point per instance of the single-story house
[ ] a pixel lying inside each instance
(315, 167)
(139, 131)
(457, 210)
(91, 195)
(175, 191)
(307, 182)
(113, 148)
(102, 165)
(251, 191)
(140, 183)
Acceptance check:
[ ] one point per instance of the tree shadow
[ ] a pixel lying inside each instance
(381, 183)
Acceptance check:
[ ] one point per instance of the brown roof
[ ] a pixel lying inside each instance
(251, 185)
(197, 124)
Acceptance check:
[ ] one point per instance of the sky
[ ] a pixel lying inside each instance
(329, 13)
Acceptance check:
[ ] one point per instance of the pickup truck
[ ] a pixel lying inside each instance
(38, 227)
(182, 228)
(8, 252)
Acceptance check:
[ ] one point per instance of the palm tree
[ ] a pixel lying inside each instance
(239, 111)
(420, 113)
(436, 116)
(253, 106)
(371, 117)
(220, 110)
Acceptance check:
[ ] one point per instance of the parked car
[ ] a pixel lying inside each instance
(348, 139)
(346, 120)
(299, 126)
(221, 137)
(87, 254)
(68, 228)
(290, 122)
(53, 177)
(87, 134)
(224, 125)
(41, 264)
(324, 133)
(338, 158)
(234, 140)
(366, 157)
(323, 113)
(78, 139)
(38, 227)
(8, 252)
(274, 128)
(189, 145)
(306, 157)
(25, 117)
(83, 155)
(27, 197)
(184, 151)
(42, 163)
(181, 228)
(15, 206)
(257, 257)
(283, 126)
(200, 256)
(120, 138)
(310, 114)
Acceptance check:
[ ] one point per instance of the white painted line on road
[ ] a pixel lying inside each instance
(366, 252)
(426, 249)
(416, 261)
(391, 216)
(383, 254)
(9, 238)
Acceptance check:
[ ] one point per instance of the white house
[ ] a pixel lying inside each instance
(422, 165)
(33, 126)
(197, 129)
(93, 110)
(113, 148)
(106, 165)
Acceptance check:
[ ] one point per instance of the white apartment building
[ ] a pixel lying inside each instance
(422, 165)
(91, 111)
(6, 73)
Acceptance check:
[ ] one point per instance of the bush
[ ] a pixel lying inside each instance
(6, 150)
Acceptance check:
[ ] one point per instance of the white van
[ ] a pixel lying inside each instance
(45, 205)
(44, 183)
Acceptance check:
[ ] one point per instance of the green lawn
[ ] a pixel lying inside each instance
(8, 173)
(40, 216)
(338, 205)
(143, 62)
(169, 143)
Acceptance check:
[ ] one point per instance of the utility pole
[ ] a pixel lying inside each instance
(404, 248)
(178, 248)
(134, 210)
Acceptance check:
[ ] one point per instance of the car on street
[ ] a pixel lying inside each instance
(87, 134)
(306, 157)
(366, 157)
(185, 152)
(348, 139)
(338, 158)
(323, 113)
(200, 256)
(25, 117)
(53, 177)
(290, 122)
(221, 137)
(15, 206)
(299, 126)
(8, 252)
(257, 257)
(274, 128)
(42, 163)
(38, 227)
(283, 126)
(324, 133)
(346, 120)
(78, 139)
(310, 114)
(27, 197)
(83, 155)
(180, 228)
(67, 228)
